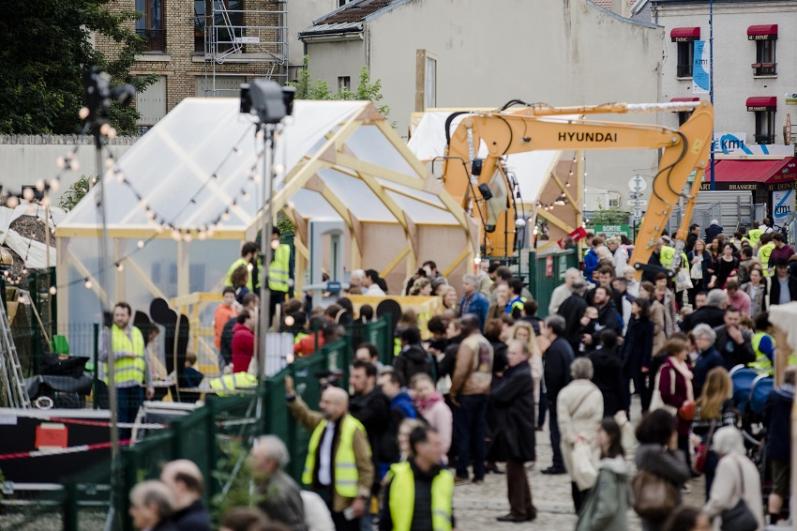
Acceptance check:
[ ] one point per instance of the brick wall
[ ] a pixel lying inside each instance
(180, 64)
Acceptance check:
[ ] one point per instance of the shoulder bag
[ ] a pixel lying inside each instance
(701, 454)
(656, 401)
(739, 517)
(654, 497)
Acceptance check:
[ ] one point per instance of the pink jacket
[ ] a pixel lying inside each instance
(438, 415)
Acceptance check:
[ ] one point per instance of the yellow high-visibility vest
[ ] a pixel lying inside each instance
(763, 257)
(762, 363)
(279, 271)
(235, 265)
(231, 384)
(130, 368)
(345, 462)
(666, 256)
(755, 236)
(402, 498)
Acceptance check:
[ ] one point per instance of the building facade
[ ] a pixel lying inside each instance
(472, 53)
(203, 48)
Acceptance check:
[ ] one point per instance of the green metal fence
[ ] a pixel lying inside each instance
(217, 436)
(546, 272)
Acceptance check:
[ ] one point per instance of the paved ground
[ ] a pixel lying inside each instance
(477, 506)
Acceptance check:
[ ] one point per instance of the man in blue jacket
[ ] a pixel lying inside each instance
(474, 301)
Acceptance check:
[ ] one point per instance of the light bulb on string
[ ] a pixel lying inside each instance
(12, 201)
(87, 284)
(60, 163)
(27, 194)
(55, 184)
(53, 290)
(140, 244)
(83, 113)
(289, 320)
(74, 165)
(176, 235)
(226, 215)
(40, 185)
(120, 266)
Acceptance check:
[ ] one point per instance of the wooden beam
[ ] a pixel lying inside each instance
(466, 252)
(555, 220)
(153, 289)
(396, 261)
(61, 279)
(420, 80)
(182, 269)
(140, 233)
(381, 172)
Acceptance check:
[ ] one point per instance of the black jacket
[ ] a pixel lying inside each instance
(710, 315)
(226, 340)
(556, 362)
(422, 505)
(691, 238)
(512, 408)
(195, 517)
(411, 361)
(572, 309)
(777, 416)
(734, 353)
(638, 345)
(607, 318)
(607, 364)
(373, 411)
(774, 289)
(499, 357)
(712, 231)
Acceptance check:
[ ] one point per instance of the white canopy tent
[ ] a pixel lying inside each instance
(541, 175)
(183, 198)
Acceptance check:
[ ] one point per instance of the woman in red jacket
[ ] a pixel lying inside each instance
(243, 341)
(675, 388)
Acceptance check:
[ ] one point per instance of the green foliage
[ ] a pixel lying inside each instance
(75, 193)
(285, 225)
(232, 472)
(307, 89)
(45, 50)
(609, 216)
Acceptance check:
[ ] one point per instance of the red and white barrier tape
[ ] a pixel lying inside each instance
(61, 451)
(105, 424)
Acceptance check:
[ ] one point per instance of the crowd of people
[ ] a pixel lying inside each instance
(473, 387)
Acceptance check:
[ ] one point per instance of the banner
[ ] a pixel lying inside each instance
(782, 206)
(701, 80)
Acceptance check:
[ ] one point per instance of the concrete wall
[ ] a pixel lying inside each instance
(301, 14)
(733, 54)
(332, 59)
(562, 53)
(26, 159)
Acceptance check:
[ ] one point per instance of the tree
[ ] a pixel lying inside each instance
(45, 50)
(75, 193)
(609, 216)
(307, 89)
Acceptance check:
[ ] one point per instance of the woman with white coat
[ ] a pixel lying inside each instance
(579, 409)
(736, 477)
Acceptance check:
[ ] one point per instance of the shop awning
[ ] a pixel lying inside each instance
(762, 32)
(761, 103)
(685, 34)
(756, 171)
(684, 98)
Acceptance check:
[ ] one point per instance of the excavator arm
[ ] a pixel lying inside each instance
(480, 141)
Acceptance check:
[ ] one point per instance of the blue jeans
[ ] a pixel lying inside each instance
(470, 429)
(553, 427)
(128, 400)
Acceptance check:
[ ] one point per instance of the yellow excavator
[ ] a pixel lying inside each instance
(474, 171)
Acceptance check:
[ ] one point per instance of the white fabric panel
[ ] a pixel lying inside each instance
(408, 190)
(421, 213)
(356, 196)
(36, 252)
(310, 204)
(368, 143)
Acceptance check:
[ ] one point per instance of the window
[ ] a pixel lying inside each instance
(765, 64)
(683, 116)
(227, 26)
(342, 3)
(430, 83)
(685, 59)
(151, 104)
(344, 83)
(765, 126)
(150, 24)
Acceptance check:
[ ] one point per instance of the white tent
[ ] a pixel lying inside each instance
(198, 175)
(541, 175)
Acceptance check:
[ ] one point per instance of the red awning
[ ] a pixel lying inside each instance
(755, 171)
(684, 98)
(762, 32)
(685, 34)
(761, 103)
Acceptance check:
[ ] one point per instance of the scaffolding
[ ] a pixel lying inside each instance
(243, 32)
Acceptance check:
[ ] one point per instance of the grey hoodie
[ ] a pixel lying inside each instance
(607, 506)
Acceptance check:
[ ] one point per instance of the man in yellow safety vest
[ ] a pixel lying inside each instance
(763, 345)
(338, 466)
(764, 251)
(279, 272)
(248, 258)
(419, 493)
(131, 371)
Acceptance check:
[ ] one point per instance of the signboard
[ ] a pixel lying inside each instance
(782, 206)
(611, 230)
(247, 40)
(791, 98)
(734, 145)
(701, 80)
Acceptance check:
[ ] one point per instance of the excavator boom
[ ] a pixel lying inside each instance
(684, 153)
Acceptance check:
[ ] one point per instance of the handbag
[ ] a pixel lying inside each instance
(701, 454)
(654, 498)
(657, 402)
(739, 517)
(584, 472)
(687, 411)
(683, 280)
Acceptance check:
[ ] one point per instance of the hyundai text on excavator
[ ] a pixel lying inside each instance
(475, 174)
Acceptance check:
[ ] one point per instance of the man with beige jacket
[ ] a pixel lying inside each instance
(470, 388)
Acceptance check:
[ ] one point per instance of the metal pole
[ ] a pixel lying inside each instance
(265, 246)
(711, 80)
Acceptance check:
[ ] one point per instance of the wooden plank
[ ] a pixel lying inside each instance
(420, 80)
(393, 263)
(61, 280)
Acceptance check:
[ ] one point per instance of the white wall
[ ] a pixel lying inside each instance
(330, 60)
(26, 159)
(733, 55)
(563, 53)
(301, 14)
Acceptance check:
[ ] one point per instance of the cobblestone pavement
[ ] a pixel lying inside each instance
(477, 506)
